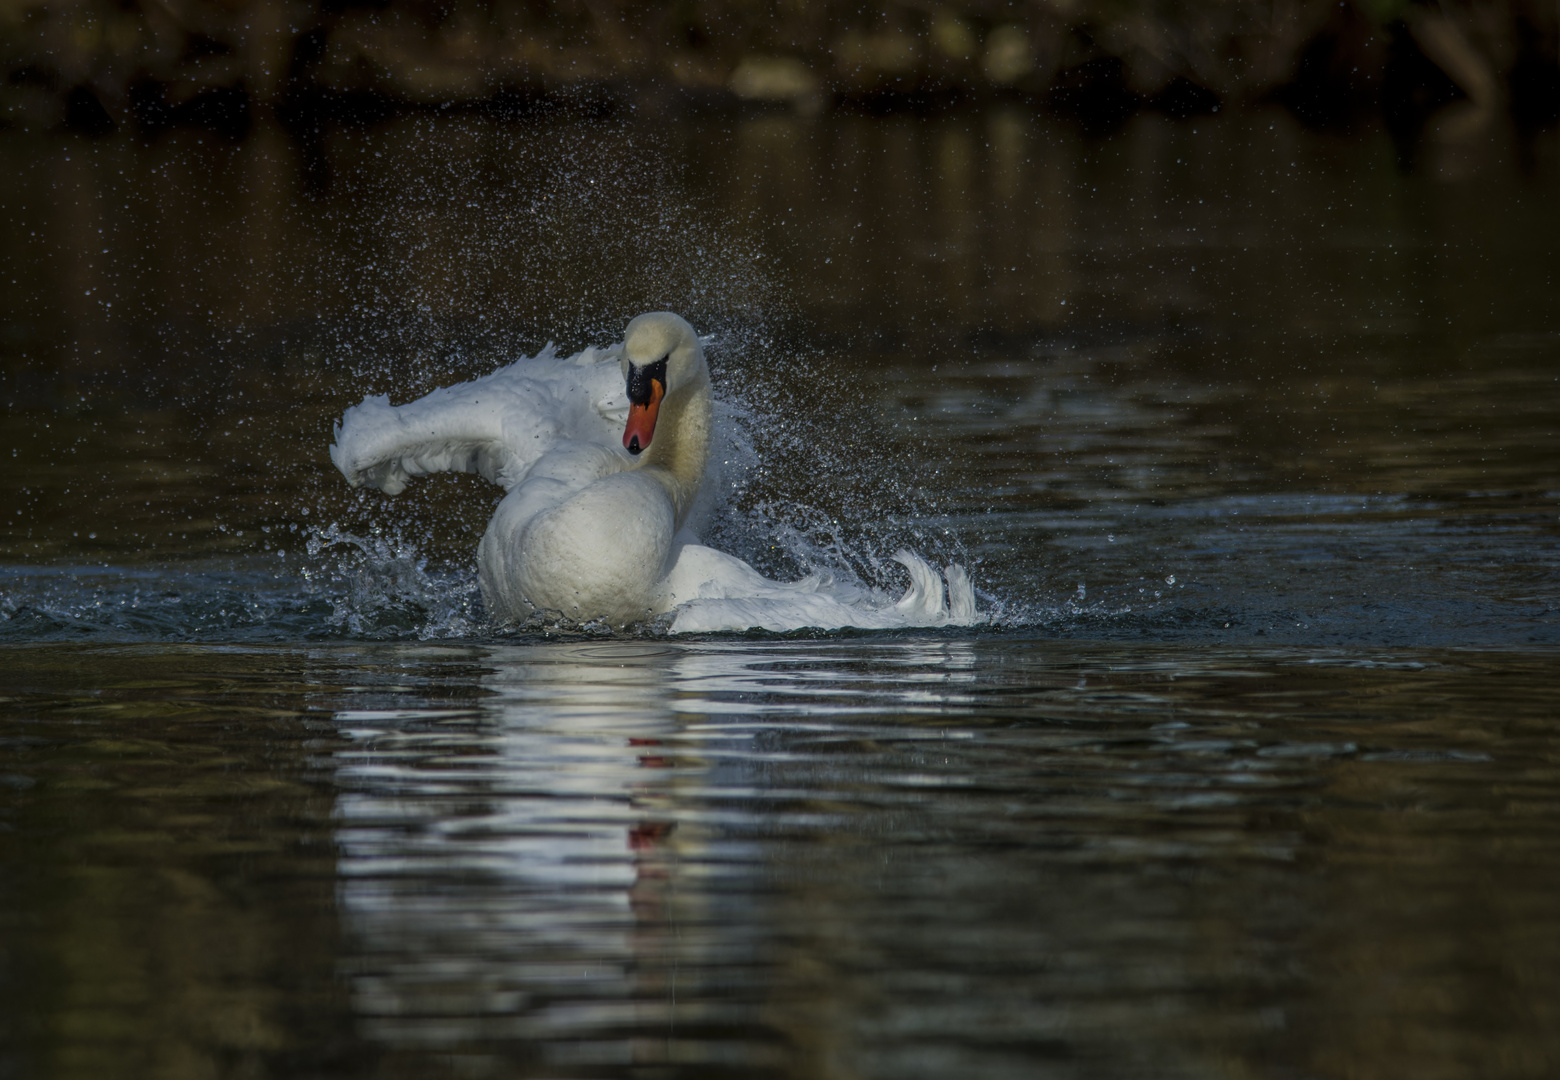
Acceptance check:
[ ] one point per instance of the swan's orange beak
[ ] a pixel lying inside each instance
(641, 414)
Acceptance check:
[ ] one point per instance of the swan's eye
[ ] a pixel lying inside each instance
(640, 378)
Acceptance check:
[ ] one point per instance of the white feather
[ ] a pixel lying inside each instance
(497, 426)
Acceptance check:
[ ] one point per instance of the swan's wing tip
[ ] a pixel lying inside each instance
(961, 596)
(924, 598)
(338, 458)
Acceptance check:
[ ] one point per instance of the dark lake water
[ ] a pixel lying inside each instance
(1249, 438)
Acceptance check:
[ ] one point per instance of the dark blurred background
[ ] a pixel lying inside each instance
(98, 66)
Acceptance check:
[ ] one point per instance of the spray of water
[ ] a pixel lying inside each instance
(481, 250)
(380, 586)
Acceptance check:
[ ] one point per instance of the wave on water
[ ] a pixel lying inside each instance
(177, 603)
(349, 587)
(367, 588)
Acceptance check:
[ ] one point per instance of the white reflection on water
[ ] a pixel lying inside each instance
(541, 865)
(487, 857)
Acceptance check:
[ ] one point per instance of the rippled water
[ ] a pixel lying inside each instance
(1248, 438)
(926, 857)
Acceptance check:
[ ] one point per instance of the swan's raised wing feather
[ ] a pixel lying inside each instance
(496, 426)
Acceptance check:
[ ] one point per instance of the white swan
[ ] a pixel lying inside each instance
(603, 456)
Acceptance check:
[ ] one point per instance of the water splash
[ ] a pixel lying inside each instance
(380, 586)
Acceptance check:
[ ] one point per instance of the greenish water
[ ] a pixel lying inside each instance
(1249, 441)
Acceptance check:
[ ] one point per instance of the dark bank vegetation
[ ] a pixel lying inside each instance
(97, 66)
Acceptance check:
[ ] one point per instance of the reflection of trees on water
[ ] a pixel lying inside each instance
(447, 244)
(883, 231)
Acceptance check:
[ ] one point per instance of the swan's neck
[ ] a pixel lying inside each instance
(678, 454)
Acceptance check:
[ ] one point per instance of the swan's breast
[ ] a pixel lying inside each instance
(600, 553)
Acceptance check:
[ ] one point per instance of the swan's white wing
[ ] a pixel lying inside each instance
(496, 426)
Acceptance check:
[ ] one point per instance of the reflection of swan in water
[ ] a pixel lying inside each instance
(595, 531)
(500, 867)
(587, 851)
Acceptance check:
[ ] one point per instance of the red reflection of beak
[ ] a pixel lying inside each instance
(647, 834)
(641, 420)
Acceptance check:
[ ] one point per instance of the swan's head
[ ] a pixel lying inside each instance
(660, 354)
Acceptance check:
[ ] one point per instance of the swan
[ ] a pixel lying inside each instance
(603, 456)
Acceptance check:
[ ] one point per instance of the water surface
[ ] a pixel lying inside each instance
(923, 857)
(1247, 437)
